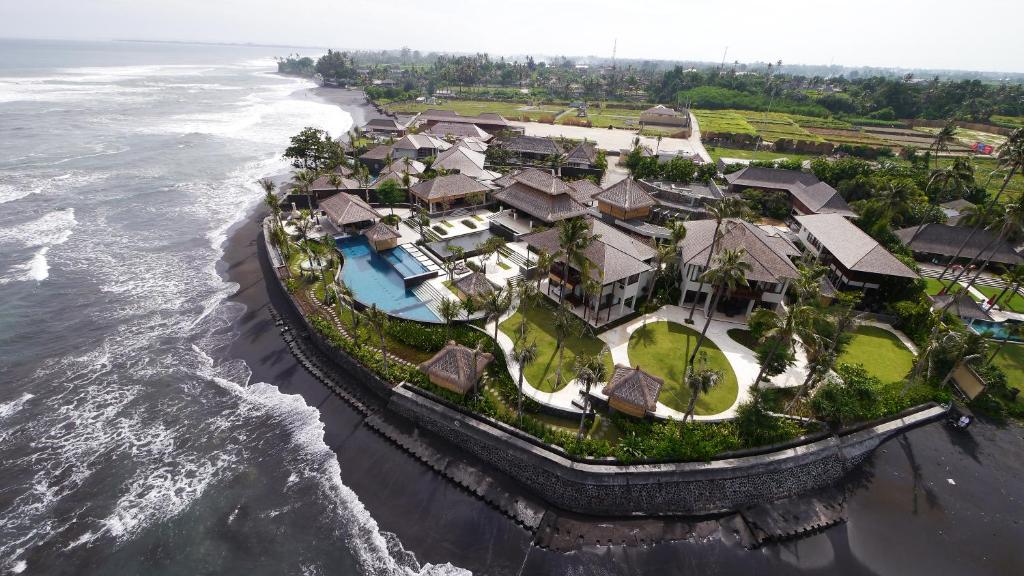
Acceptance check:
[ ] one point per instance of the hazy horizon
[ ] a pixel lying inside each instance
(871, 33)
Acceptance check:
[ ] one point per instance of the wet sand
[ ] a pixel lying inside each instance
(905, 516)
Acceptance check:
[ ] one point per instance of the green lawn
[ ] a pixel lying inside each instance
(723, 122)
(718, 152)
(1011, 300)
(661, 348)
(510, 110)
(880, 352)
(541, 373)
(1011, 360)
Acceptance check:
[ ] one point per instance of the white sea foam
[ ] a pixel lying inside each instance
(10, 408)
(43, 233)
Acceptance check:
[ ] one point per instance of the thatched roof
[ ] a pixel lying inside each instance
(474, 284)
(627, 194)
(450, 186)
(963, 306)
(380, 232)
(817, 196)
(343, 209)
(634, 386)
(456, 367)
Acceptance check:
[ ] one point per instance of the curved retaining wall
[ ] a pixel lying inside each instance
(654, 489)
(616, 490)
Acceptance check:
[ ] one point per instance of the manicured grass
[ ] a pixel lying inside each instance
(1011, 300)
(542, 371)
(880, 352)
(933, 286)
(718, 152)
(503, 266)
(1011, 360)
(743, 337)
(662, 348)
(510, 110)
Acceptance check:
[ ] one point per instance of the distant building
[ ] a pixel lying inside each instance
(532, 149)
(807, 194)
(376, 158)
(955, 209)
(455, 131)
(383, 127)
(488, 122)
(348, 211)
(939, 243)
(464, 161)
(666, 117)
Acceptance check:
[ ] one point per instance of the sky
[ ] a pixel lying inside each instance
(930, 34)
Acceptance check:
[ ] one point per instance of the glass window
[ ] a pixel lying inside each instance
(633, 279)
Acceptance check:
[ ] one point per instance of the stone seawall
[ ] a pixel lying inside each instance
(617, 490)
(654, 489)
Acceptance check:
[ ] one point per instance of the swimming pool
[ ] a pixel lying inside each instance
(404, 262)
(995, 330)
(374, 280)
(468, 243)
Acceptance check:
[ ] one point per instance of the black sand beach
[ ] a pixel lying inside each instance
(930, 502)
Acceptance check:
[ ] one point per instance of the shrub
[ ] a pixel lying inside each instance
(439, 229)
(469, 223)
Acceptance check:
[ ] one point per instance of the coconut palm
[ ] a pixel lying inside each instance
(524, 355)
(346, 295)
(699, 380)
(727, 208)
(1013, 279)
(590, 370)
(1010, 223)
(270, 200)
(563, 325)
(664, 256)
(824, 345)
(779, 327)
(495, 304)
(573, 237)
(303, 180)
(677, 231)
(379, 320)
(728, 272)
(543, 264)
(336, 181)
(943, 138)
(449, 311)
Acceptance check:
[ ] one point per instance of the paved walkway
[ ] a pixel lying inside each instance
(742, 360)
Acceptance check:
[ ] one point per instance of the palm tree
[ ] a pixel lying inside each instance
(1010, 156)
(303, 180)
(699, 380)
(663, 256)
(677, 231)
(1011, 221)
(824, 349)
(779, 327)
(592, 288)
(495, 304)
(544, 263)
(379, 320)
(943, 138)
(727, 208)
(574, 237)
(524, 355)
(345, 294)
(728, 272)
(270, 199)
(563, 325)
(590, 370)
(449, 310)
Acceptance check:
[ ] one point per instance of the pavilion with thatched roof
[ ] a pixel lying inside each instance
(348, 210)
(962, 305)
(381, 236)
(456, 367)
(633, 391)
(474, 285)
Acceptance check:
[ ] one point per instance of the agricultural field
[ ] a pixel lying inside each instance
(1008, 121)
(717, 152)
(616, 117)
(510, 110)
(969, 137)
(723, 122)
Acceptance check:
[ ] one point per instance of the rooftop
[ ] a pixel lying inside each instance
(539, 194)
(816, 195)
(381, 231)
(627, 194)
(464, 161)
(614, 255)
(450, 186)
(421, 141)
(946, 240)
(852, 247)
(768, 254)
(457, 366)
(343, 209)
(458, 130)
(634, 386)
(474, 284)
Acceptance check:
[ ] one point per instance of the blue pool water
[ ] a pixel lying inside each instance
(404, 262)
(374, 280)
(995, 330)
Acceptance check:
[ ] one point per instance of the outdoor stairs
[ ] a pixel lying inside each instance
(430, 296)
(982, 280)
(514, 257)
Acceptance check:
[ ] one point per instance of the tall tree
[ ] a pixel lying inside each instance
(1013, 279)
(495, 304)
(574, 238)
(524, 355)
(590, 370)
(729, 207)
(699, 380)
(728, 272)
(379, 320)
(449, 311)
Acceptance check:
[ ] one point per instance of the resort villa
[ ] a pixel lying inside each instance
(768, 252)
(854, 259)
(418, 146)
(688, 201)
(807, 194)
(376, 158)
(619, 272)
(383, 128)
(939, 243)
(453, 131)
(532, 149)
(627, 199)
(347, 211)
(490, 123)
(464, 161)
(445, 193)
(540, 196)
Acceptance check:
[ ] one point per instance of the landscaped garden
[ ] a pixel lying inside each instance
(1011, 301)
(1011, 360)
(542, 372)
(880, 352)
(662, 348)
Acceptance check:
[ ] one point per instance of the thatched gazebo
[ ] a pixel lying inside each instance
(382, 236)
(474, 285)
(633, 391)
(456, 367)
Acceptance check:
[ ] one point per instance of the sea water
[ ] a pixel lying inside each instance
(127, 443)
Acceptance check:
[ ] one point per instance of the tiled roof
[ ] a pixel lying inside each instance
(816, 195)
(450, 116)
(854, 249)
(627, 194)
(450, 186)
(421, 141)
(539, 194)
(582, 152)
(465, 161)
(381, 231)
(343, 209)
(614, 255)
(533, 145)
(768, 256)
(583, 190)
(398, 165)
(457, 365)
(388, 124)
(963, 306)
(377, 153)
(323, 184)
(458, 130)
(661, 110)
(946, 240)
(398, 177)
(634, 386)
(474, 284)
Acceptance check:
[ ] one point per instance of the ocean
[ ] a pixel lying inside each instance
(129, 442)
